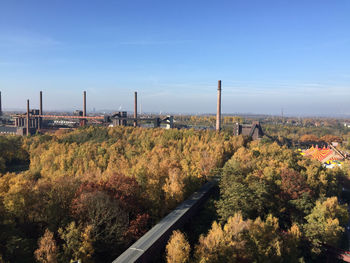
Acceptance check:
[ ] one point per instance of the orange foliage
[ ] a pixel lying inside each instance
(310, 138)
(47, 251)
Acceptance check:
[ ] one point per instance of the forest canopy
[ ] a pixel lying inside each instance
(88, 194)
(274, 206)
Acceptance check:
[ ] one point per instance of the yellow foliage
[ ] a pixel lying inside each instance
(178, 249)
(223, 244)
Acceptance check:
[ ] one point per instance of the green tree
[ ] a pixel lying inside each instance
(264, 242)
(325, 224)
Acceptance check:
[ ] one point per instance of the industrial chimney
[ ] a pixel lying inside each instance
(28, 118)
(41, 103)
(135, 110)
(218, 111)
(0, 105)
(84, 109)
(41, 109)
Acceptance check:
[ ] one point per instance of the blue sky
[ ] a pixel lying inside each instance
(268, 54)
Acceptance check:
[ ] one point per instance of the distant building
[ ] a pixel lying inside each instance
(119, 118)
(12, 130)
(8, 130)
(78, 113)
(253, 130)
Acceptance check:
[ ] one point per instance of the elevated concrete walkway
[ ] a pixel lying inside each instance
(144, 249)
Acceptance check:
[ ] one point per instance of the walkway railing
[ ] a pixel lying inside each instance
(149, 245)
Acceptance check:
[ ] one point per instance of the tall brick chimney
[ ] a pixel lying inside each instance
(28, 125)
(0, 105)
(218, 110)
(84, 108)
(135, 110)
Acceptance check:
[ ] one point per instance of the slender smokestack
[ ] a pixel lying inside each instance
(135, 110)
(0, 105)
(27, 117)
(41, 103)
(84, 108)
(40, 110)
(218, 111)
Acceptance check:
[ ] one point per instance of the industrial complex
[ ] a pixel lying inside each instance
(34, 120)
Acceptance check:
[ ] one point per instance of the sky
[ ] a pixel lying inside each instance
(269, 54)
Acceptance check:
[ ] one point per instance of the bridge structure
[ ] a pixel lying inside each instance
(144, 249)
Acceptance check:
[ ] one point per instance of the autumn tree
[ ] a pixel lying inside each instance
(11, 152)
(325, 224)
(331, 138)
(310, 138)
(114, 210)
(178, 248)
(78, 243)
(109, 221)
(224, 244)
(263, 240)
(248, 241)
(47, 251)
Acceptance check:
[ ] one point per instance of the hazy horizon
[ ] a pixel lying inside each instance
(240, 114)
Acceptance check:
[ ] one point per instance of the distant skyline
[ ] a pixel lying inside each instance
(269, 55)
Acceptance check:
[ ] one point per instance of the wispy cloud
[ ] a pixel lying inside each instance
(336, 43)
(155, 42)
(256, 88)
(27, 41)
(290, 90)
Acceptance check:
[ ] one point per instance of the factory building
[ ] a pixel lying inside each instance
(33, 120)
(12, 130)
(253, 130)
